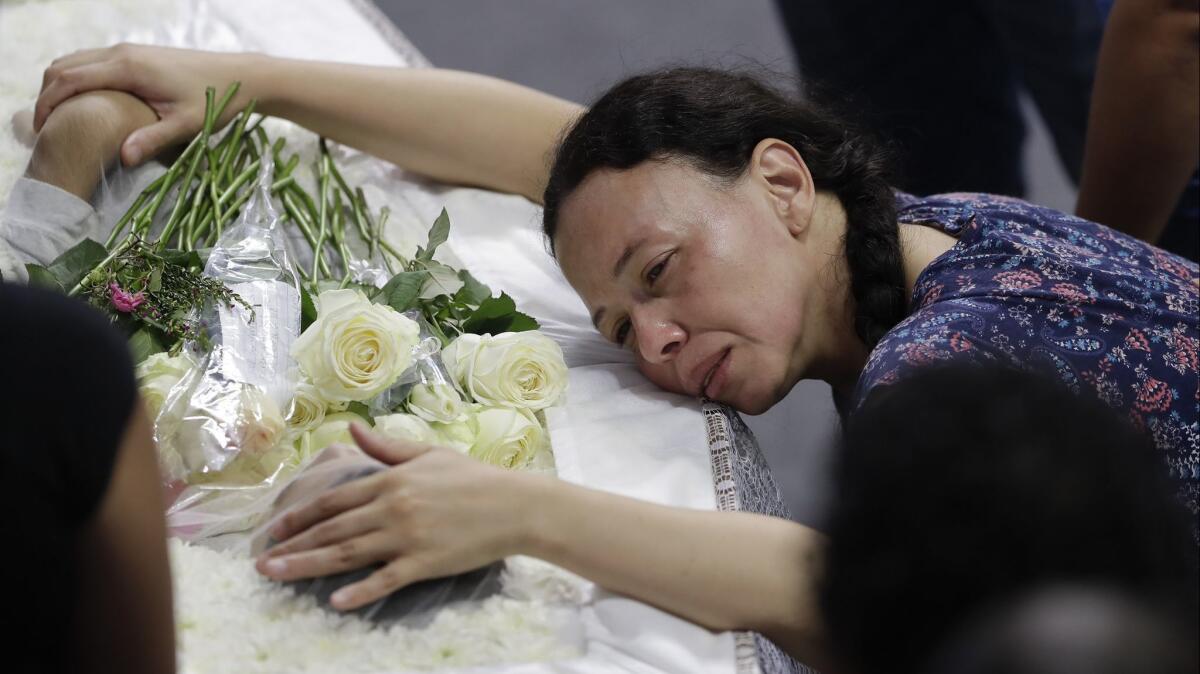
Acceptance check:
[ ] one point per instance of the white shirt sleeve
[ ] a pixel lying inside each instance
(40, 223)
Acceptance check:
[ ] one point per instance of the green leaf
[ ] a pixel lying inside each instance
(496, 315)
(145, 342)
(522, 322)
(472, 291)
(443, 280)
(155, 284)
(41, 277)
(189, 259)
(70, 267)
(438, 233)
(361, 410)
(403, 290)
(308, 309)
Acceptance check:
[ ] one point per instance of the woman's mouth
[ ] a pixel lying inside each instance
(716, 378)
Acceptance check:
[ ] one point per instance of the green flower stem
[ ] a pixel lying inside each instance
(295, 212)
(231, 151)
(132, 213)
(177, 211)
(245, 175)
(323, 215)
(339, 237)
(310, 206)
(210, 108)
(352, 196)
(219, 161)
(195, 210)
(230, 92)
(145, 218)
(367, 229)
(388, 247)
(125, 245)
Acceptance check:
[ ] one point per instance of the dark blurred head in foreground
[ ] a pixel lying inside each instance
(977, 506)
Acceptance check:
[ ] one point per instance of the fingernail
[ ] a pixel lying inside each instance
(276, 566)
(339, 598)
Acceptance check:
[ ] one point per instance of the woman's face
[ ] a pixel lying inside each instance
(707, 284)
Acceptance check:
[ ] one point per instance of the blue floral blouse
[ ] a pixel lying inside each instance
(1030, 286)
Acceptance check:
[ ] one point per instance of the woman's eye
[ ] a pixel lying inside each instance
(657, 270)
(622, 332)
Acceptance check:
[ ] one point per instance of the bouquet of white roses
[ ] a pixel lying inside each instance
(254, 356)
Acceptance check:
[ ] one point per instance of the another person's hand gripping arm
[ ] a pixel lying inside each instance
(456, 127)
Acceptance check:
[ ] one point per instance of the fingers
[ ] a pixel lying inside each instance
(386, 450)
(72, 60)
(102, 75)
(350, 554)
(333, 502)
(333, 530)
(397, 574)
(150, 140)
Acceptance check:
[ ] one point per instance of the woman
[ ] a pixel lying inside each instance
(737, 242)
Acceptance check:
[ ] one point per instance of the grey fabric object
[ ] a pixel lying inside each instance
(40, 223)
(744, 483)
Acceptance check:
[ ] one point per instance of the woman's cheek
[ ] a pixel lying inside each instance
(663, 375)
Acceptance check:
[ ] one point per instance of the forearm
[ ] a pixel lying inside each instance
(1143, 138)
(721, 570)
(452, 126)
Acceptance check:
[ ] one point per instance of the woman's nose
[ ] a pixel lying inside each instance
(659, 339)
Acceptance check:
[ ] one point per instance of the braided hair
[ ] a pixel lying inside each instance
(713, 120)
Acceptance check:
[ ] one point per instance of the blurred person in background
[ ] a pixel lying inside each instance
(985, 517)
(85, 540)
(943, 79)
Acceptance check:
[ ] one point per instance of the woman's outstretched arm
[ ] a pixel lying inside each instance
(436, 513)
(456, 127)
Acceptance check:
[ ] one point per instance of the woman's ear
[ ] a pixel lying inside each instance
(781, 171)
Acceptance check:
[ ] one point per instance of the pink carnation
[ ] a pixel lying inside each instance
(124, 301)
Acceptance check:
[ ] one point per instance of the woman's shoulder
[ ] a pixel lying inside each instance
(1007, 244)
(950, 331)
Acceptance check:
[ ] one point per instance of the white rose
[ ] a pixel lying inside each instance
(260, 425)
(437, 402)
(231, 436)
(158, 374)
(356, 349)
(459, 435)
(506, 437)
(335, 429)
(405, 427)
(513, 369)
(307, 409)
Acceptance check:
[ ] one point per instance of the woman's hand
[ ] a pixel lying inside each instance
(171, 81)
(434, 513)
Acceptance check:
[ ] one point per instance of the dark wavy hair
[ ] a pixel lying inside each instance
(713, 120)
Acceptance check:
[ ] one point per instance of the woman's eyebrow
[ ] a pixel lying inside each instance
(628, 253)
